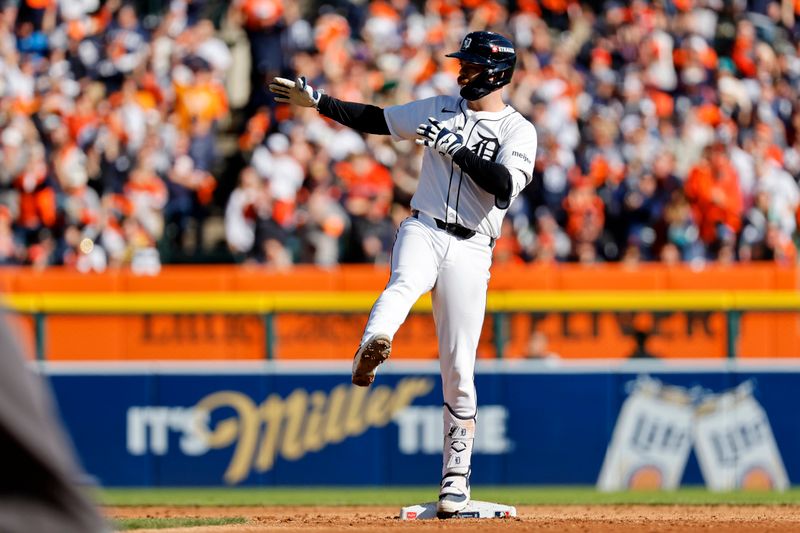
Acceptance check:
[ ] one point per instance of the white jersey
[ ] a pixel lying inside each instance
(444, 191)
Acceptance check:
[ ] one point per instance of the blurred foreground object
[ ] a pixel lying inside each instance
(38, 491)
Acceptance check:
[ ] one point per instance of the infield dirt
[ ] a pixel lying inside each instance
(545, 518)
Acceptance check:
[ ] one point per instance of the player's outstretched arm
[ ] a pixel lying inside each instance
(361, 117)
(296, 92)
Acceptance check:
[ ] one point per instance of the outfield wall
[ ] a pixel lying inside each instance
(286, 423)
(311, 331)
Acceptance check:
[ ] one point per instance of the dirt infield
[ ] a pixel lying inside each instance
(545, 518)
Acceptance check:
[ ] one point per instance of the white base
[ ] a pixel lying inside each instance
(474, 509)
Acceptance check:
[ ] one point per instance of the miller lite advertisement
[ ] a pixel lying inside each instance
(278, 424)
(735, 445)
(651, 441)
(660, 424)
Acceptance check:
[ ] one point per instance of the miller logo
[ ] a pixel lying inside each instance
(300, 423)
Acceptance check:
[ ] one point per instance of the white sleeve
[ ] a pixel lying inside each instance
(518, 153)
(404, 119)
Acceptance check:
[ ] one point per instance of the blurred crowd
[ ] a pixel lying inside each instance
(108, 131)
(668, 130)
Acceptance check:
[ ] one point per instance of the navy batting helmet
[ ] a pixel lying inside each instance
(494, 52)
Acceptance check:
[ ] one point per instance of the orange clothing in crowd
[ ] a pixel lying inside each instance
(744, 56)
(260, 14)
(491, 12)
(37, 208)
(712, 188)
(149, 185)
(383, 9)
(365, 178)
(329, 30)
(204, 102)
(37, 200)
(40, 4)
(283, 212)
(529, 6)
(444, 8)
(255, 131)
(79, 122)
(585, 213)
(784, 249)
(556, 6)
(507, 249)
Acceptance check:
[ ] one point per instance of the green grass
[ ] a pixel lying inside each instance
(561, 495)
(126, 524)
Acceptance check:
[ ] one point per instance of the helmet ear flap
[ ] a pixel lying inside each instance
(478, 87)
(488, 81)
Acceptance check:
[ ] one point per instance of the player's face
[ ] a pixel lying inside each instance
(468, 71)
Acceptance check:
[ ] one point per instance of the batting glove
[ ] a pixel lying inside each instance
(297, 92)
(434, 135)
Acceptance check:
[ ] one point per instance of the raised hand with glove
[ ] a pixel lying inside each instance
(297, 92)
(434, 135)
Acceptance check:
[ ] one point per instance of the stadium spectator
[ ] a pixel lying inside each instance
(538, 347)
(712, 188)
(264, 22)
(666, 131)
(246, 203)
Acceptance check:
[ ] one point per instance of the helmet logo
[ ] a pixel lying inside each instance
(494, 49)
(466, 43)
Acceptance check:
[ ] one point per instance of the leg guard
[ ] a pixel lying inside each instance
(459, 435)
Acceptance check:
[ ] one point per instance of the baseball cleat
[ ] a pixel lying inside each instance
(368, 356)
(453, 496)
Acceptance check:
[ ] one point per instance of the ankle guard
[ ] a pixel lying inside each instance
(459, 434)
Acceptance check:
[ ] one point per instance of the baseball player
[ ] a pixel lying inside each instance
(479, 156)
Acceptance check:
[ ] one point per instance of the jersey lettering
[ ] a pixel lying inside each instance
(522, 156)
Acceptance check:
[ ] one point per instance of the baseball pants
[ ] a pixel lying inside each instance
(426, 258)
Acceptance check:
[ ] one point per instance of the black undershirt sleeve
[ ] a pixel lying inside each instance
(493, 178)
(361, 117)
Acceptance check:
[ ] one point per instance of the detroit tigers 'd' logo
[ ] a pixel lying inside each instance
(487, 148)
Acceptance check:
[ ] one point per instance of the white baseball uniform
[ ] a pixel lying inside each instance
(446, 245)
(426, 257)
